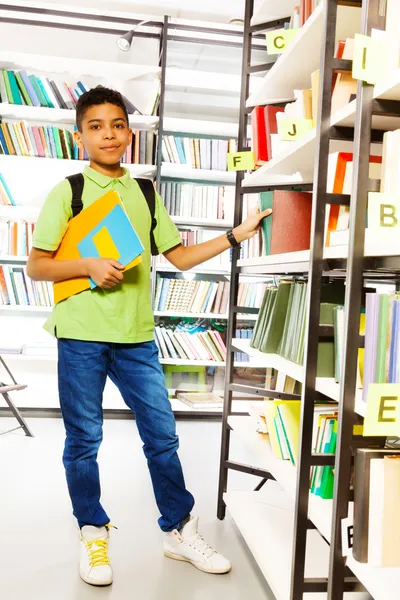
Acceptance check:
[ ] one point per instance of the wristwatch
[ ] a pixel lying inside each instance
(232, 240)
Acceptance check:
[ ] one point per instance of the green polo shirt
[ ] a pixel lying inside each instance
(124, 313)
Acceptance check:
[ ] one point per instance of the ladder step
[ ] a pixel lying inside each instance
(11, 388)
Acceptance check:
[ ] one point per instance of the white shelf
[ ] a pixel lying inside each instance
(176, 171)
(75, 67)
(271, 10)
(65, 166)
(171, 313)
(17, 260)
(294, 67)
(197, 222)
(196, 270)
(63, 115)
(197, 127)
(295, 164)
(382, 583)
(29, 309)
(319, 510)
(266, 521)
(19, 212)
(324, 385)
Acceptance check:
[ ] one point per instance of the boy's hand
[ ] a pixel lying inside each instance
(251, 225)
(105, 272)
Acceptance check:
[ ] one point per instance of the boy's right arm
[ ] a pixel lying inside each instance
(42, 267)
(49, 231)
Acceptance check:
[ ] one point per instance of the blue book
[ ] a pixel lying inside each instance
(29, 88)
(7, 189)
(81, 87)
(3, 143)
(181, 151)
(115, 230)
(44, 92)
(209, 291)
(164, 293)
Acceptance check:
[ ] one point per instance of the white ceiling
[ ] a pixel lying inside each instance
(203, 10)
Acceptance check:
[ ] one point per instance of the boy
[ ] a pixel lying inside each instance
(109, 332)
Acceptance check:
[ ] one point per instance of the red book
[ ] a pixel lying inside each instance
(259, 136)
(271, 125)
(291, 222)
(308, 9)
(302, 12)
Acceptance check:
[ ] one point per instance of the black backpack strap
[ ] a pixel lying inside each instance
(77, 182)
(149, 193)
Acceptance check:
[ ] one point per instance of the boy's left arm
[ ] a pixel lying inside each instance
(187, 257)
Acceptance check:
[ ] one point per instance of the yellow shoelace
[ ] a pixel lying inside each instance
(99, 553)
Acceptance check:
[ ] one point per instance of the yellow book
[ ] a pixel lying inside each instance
(100, 230)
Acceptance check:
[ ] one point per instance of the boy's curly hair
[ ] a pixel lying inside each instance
(95, 96)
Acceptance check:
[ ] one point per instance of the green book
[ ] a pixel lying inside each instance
(293, 319)
(23, 90)
(269, 309)
(16, 96)
(8, 86)
(276, 323)
(327, 480)
(262, 318)
(382, 338)
(266, 201)
(299, 325)
(283, 342)
(57, 141)
(43, 90)
(259, 319)
(39, 93)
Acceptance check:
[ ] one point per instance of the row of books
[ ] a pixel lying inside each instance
(382, 340)
(195, 296)
(16, 237)
(179, 343)
(198, 201)
(302, 12)
(198, 153)
(250, 294)
(43, 141)
(244, 333)
(17, 289)
(376, 528)
(281, 324)
(340, 170)
(190, 238)
(6, 197)
(266, 140)
(17, 87)
(141, 150)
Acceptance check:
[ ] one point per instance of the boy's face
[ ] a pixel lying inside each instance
(105, 134)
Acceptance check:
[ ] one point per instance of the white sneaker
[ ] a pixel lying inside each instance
(95, 567)
(189, 546)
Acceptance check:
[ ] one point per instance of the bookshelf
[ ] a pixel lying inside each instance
(360, 258)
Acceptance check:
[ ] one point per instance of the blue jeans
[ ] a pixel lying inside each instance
(136, 371)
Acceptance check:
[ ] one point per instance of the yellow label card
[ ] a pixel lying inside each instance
(293, 129)
(370, 58)
(241, 161)
(383, 212)
(279, 40)
(383, 410)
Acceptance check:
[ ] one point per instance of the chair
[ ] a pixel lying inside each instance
(5, 392)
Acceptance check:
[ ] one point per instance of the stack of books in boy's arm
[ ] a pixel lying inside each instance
(190, 343)
(17, 87)
(195, 296)
(198, 201)
(17, 289)
(5, 194)
(376, 507)
(281, 323)
(197, 153)
(43, 141)
(16, 238)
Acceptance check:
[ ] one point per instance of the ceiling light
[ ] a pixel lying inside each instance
(124, 42)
